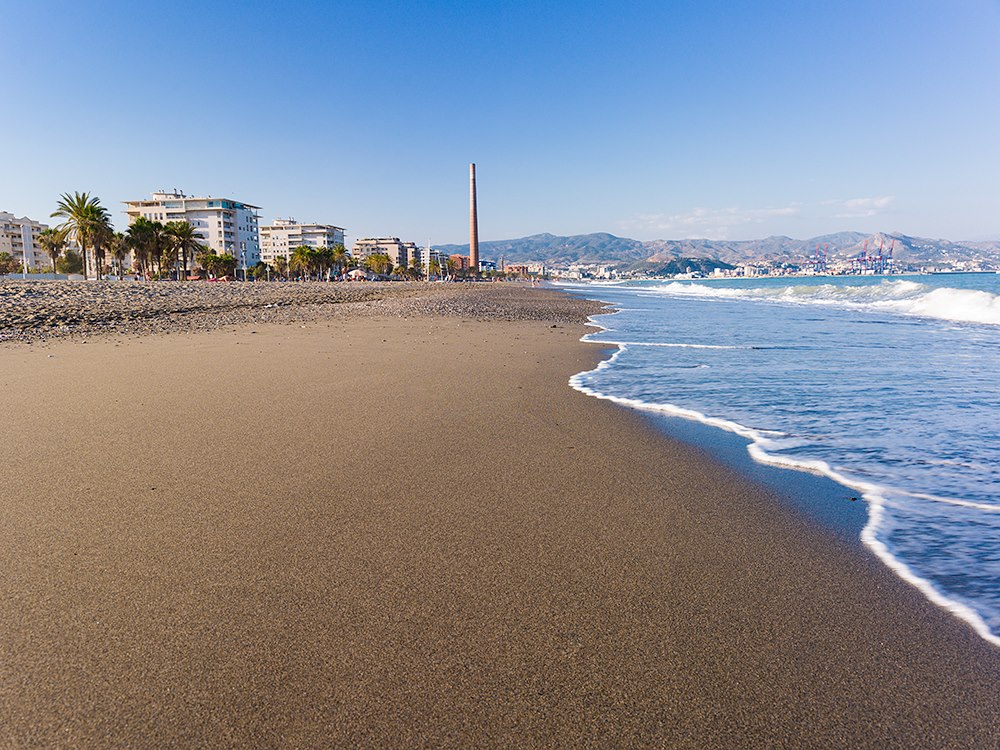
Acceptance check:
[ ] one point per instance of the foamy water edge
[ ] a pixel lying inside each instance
(902, 297)
(873, 494)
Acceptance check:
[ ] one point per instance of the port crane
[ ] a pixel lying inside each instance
(882, 263)
(818, 261)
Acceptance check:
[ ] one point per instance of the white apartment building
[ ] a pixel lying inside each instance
(279, 238)
(19, 237)
(226, 226)
(399, 252)
(422, 257)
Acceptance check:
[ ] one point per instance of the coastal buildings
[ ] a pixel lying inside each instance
(461, 262)
(399, 252)
(226, 225)
(279, 238)
(525, 269)
(19, 237)
(423, 256)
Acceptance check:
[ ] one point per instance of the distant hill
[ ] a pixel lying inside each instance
(599, 247)
(923, 250)
(605, 248)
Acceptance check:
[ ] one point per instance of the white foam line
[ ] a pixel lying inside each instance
(872, 493)
(665, 345)
(954, 501)
(876, 508)
(906, 298)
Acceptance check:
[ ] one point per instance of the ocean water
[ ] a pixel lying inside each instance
(887, 385)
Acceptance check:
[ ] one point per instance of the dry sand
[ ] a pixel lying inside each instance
(384, 532)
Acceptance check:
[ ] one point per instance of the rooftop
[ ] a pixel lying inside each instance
(178, 195)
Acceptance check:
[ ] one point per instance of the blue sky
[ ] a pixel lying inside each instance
(650, 120)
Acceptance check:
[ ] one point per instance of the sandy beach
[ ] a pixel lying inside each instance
(386, 522)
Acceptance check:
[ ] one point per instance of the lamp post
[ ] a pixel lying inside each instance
(27, 240)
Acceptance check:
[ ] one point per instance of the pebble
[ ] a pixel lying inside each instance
(32, 311)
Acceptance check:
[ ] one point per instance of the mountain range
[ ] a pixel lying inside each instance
(599, 247)
(608, 249)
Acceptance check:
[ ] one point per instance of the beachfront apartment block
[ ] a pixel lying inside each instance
(19, 237)
(279, 238)
(423, 256)
(399, 252)
(226, 225)
(459, 261)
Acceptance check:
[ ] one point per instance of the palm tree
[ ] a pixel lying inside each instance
(101, 239)
(259, 270)
(281, 266)
(379, 263)
(414, 270)
(206, 257)
(53, 241)
(157, 244)
(323, 258)
(302, 260)
(139, 238)
(184, 238)
(83, 215)
(225, 264)
(339, 258)
(135, 242)
(118, 246)
(148, 240)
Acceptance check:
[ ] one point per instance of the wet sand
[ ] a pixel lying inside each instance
(409, 531)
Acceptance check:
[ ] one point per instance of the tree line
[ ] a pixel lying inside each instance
(158, 249)
(155, 247)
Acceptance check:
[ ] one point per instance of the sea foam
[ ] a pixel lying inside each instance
(901, 297)
(763, 443)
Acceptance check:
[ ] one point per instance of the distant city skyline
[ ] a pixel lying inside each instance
(718, 120)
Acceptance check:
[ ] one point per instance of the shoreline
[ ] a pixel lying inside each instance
(833, 518)
(403, 528)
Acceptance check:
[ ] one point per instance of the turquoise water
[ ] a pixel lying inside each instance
(888, 385)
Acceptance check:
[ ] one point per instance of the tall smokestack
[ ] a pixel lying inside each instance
(473, 222)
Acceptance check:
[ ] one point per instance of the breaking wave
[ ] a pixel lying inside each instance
(904, 413)
(765, 447)
(899, 297)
